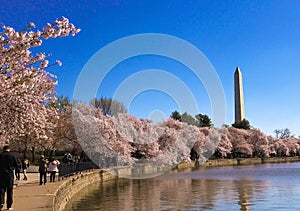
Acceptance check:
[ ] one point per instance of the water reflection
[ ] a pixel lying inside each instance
(228, 188)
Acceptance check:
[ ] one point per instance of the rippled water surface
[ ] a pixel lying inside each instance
(259, 187)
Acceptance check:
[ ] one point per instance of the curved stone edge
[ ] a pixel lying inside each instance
(75, 184)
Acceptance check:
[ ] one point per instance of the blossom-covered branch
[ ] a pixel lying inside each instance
(25, 86)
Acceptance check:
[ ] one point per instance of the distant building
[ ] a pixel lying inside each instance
(238, 96)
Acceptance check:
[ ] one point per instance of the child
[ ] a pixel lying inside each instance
(25, 166)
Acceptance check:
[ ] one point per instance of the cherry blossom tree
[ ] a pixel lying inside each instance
(224, 147)
(128, 140)
(64, 137)
(25, 85)
(292, 144)
(260, 143)
(281, 147)
(239, 140)
(272, 146)
(97, 134)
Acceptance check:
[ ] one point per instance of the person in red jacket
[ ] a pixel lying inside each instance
(8, 163)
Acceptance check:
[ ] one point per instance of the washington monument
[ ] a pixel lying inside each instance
(238, 96)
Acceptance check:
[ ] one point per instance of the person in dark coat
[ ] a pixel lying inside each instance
(18, 169)
(8, 163)
(43, 164)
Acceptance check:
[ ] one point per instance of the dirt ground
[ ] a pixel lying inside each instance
(29, 195)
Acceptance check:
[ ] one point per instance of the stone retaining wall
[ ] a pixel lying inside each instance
(239, 161)
(76, 183)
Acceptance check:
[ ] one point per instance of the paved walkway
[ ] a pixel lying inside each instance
(29, 195)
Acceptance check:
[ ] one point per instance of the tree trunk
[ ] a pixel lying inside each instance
(24, 152)
(33, 153)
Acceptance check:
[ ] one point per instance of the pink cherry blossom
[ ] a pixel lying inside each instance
(25, 87)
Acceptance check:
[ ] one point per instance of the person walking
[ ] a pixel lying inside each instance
(18, 169)
(53, 168)
(25, 166)
(8, 163)
(43, 163)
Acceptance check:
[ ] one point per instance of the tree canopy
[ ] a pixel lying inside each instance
(200, 120)
(176, 115)
(203, 120)
(244, 124)
(109, 106)
(282, 133)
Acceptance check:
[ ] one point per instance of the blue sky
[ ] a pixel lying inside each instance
(261, 37)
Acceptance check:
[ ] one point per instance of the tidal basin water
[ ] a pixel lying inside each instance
(258, 187)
